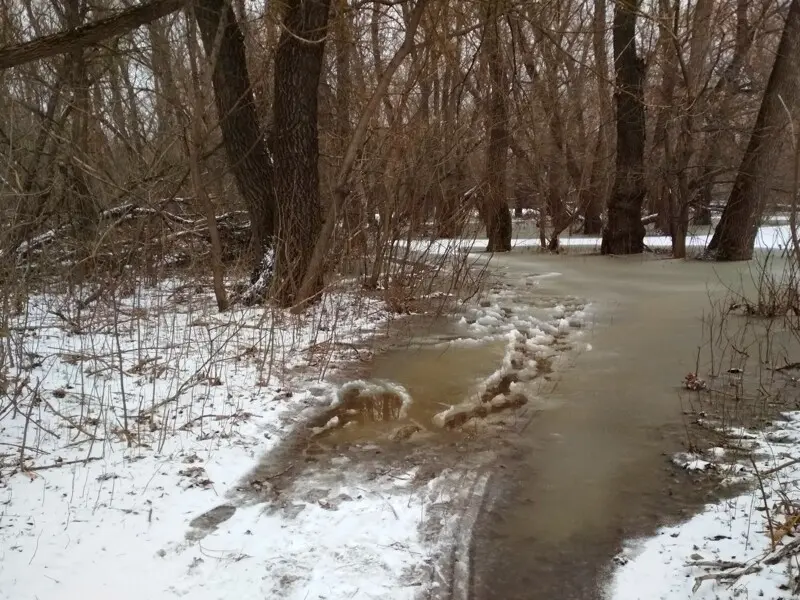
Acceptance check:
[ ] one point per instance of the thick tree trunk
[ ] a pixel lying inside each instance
(736, 232)
(244, 142)
(592, 216)
(315, 257)
(624, 232)
(496, 214)
(295, 143)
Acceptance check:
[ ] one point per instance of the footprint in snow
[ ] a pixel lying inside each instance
(209, 521)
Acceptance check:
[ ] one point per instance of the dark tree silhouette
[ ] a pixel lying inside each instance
(624, 232)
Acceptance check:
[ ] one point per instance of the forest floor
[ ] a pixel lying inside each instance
(150, 446)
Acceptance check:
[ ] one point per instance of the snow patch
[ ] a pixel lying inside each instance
(726, 551)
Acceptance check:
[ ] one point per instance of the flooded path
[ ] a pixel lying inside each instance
(532, 500)
(593, 470)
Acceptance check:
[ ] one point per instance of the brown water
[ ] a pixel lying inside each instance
(439, 376)
(493, 360)
(434, 376)
(594, 470)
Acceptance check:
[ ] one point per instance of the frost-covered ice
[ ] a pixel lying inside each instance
(726, 551)
(530, 328)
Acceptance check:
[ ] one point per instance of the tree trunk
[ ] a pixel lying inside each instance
(448, 210)
(314, 256)
(660, 158)
(295, 143)
(624, 232)
(736, 232)
(496, 214)
(81, 205)
(702, 209)
(688, 122)
(593, 210)
(244, 143)
(166, 92)
(194, 143)
(718, 121)
(598, 185)
(92, 33)
(356, 243)
(559, 218)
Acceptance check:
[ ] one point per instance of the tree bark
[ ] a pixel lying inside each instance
(319, 246)
(719, 120)
(194, 143)
(247, 151)
(295, 144)
(86, 35)
(736, 232)
(624, 232)
(592, 216)
(356, 244)
(496, 214)
(660, 158)
(688, 122)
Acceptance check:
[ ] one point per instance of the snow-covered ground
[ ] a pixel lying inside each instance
(146, 434)
(770, 237)
(135, 449)
(135, 422)
(744, 547)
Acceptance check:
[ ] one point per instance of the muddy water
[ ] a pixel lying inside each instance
(593, 470)
(434, 375)
(492, 360)
(437, 376)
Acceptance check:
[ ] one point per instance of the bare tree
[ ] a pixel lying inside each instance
(295, 143)
(593, 223)
(495, 205)
(736, 232)
(624, 232)
(244, 141)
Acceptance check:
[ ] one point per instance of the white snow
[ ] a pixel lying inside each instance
(726, 551)
(770, 237)
(203, 405)
(148, 434)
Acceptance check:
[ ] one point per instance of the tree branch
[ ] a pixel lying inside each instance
(86, 35)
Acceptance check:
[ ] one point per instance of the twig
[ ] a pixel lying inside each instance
(25, 436)
(782, 466)
(789, 549)
(63, 416)
(61, 464)
(717, 564)
(760, 480)
(786, 367)
(724, 575)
